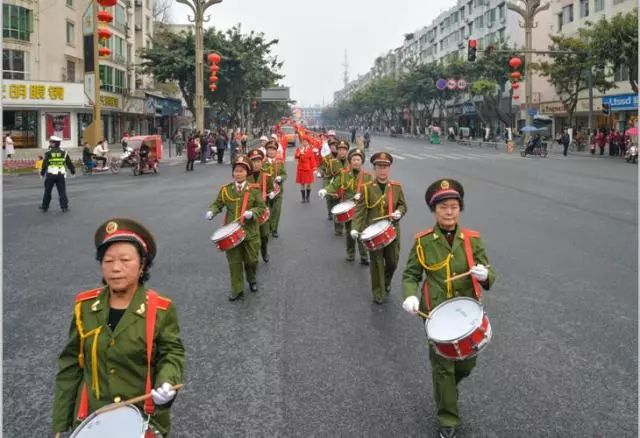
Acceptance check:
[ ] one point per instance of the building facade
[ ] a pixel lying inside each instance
(43, 72)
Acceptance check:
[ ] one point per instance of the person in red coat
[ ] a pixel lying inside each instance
(193, 152)
(306, 166)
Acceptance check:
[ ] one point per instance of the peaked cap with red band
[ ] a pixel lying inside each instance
(382, 157)
(242, 160)
(443, 189)
(256, 154)
(125, 230)
(271, 144)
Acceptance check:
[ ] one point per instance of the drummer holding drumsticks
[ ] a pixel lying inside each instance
(108, 357)
(243, 202)
(440, 254)
(381, 199)
(265, 182)
(348, 185)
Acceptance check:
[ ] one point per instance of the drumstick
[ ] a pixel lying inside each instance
(463, 275)
(381, 217)
(424, 315)
(131, 401)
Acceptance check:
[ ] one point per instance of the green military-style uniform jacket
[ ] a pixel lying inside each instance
(375, 203)
(230, 198)
(433, 258)
(325, 168)
(113, 364)
(337, 165)
(348, 183)
(276, 168)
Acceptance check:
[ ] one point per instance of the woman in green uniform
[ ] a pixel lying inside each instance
(105, 358)
(439, 253)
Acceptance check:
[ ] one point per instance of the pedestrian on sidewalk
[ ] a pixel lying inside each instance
(178, 139)
(221, 144)
(192, 153)
(8, 146)
(565, 140)
(601, 140)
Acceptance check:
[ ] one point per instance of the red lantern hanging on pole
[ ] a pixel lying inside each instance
(107, 3)
(515, 85)
(105, 16)
(516, 75)
(104, 33)
(516, 97)
(515, 62)
(213, 58)
(104, 51)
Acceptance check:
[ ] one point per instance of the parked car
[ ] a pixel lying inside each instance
(290, 134)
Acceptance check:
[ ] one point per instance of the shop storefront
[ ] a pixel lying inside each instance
(560, 117)
(165, 111)
(624, 110)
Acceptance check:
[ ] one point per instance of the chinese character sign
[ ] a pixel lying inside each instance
(59, 124)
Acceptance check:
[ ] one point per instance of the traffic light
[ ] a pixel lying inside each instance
(214, 60)
(471, 50)
(606, 108)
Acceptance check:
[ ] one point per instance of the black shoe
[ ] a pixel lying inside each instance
(253, 287)
(378, 301)
(44, 210)
(265, 257)
(275, 234)
(447, 432)
(364, 262)
(65, 209)
(351, 258)
(233, 297)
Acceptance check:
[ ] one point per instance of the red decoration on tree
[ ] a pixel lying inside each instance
(214, 68)
(516, 75)
(515, 85)
(213, 79)
(105, 16)
(515, 62)
(213, 58)
(516, 97)
(104, 51)
(107, 3)
(213, 87)
(104, 33)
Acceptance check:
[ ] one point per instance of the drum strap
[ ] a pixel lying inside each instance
(264, 186)
(426, 295)
(152, 296)
(390, 199)
(471, 262)
(245, 201)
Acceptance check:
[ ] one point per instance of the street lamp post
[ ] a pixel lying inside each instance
(528, 9)
(199, 7)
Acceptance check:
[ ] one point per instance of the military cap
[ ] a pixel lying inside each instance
(343, 144)
(271, 144)
(125, 230)
(55, 138)
(242, 160)
(382, 157)
(256, 154)
(443, 189)
(356, 151)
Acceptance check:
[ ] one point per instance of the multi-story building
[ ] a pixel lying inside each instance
(43, 72)
(566, 18)
(312, 116)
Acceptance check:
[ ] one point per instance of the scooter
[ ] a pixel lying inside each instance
(93, 168)
(632, 154)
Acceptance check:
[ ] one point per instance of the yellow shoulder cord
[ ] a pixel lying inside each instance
(375, 204)
(446, 263)
(227, 197)
(95, 382)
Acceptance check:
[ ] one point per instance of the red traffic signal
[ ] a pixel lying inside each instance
(472, 47)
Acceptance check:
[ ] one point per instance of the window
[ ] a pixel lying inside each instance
(71, 71)
(148, 26)
(621, 74)
(120, 17)
(584, 8)
(119, 46)
(479, 23)
(599, 5)
(17, 22)
(501, 35)
(469, 7)
(462, 13)
(478, 3)
(15, 64)
(617, 2)
(454, 17)
(559, 22)
(567, 14)
(71, 34)
(490, 17)
(69, 3)
(501, 10)
(106, 78)
(470, 29)
(119, 82)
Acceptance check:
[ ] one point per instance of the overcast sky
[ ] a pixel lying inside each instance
(313, 35)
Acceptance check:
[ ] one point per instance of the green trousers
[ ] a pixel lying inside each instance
(446, 375)
(265, 230)
(275, 206)
(243, 259)
(351, 244)
(337, 226)
(383, 264)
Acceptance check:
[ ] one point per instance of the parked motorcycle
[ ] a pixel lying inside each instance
(632, 154)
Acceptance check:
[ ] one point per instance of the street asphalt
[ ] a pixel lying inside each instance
(310, 354)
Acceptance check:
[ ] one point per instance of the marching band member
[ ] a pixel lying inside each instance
(243, 203)
(439, 253)
(278, 169)
(349, 185)
(325, 173)
(265, 184)
(336, 166)
(306, 165)
(107, 357)
(381, 198)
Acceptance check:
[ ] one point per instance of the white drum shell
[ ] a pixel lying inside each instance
(454, 319)
(375, 229)
(224, 231)
(123, 422)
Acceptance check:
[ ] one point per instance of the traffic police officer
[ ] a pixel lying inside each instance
(349, 185)
(381, 198)
(278, 169)
(265, 182)
(243, 202)
(439, 253)
(54, 169)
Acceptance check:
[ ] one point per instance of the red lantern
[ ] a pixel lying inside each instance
(107, 3)
(213, 79)
(213, 87)
(105, 16)
(104, 33)
(104, 51)
(214, 69)
(213, 58)
(515, 75)
(516, 97)
(515, 63)
(515, 85)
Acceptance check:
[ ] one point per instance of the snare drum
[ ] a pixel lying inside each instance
(265, 216)
(123, 422)
(378, 235)
(458, 328)
(344, 211)
(229, 236)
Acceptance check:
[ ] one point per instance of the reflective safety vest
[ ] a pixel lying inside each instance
(57, 163)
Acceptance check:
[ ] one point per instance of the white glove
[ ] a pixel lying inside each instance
(278, 179)
(272, 195)
(248, 214)
(319, 175)
(357, 196)
(209, 215)
(411, 304)
(355, 235)
(163, 395)
(322, 193)
(480, 272)
(396, 215)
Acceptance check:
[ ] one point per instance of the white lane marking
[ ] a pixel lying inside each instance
(416, 157)
(426, 155)
(450, 156)
(399, 157)
(436, 157)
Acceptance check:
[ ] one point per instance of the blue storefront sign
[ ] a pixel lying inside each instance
(622, 102)
(469, 108)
